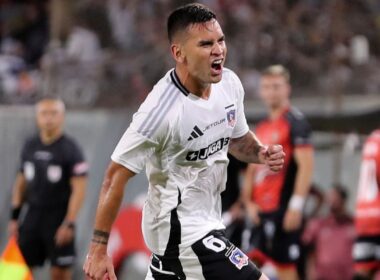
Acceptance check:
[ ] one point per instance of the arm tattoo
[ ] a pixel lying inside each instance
(246, 148)
(101, 234)
(94, 240)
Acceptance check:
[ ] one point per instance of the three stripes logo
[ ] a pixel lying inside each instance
(195, 133)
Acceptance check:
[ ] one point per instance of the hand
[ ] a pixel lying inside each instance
(236, 212)
(99, 266)
(273, 156)
(64, 235)
(253, 213)
(292, 220)
(13, 228)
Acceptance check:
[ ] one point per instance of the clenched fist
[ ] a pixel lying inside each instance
(273, 156)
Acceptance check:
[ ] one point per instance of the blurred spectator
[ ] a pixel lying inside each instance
(329, 240)
(329, 46)
(367, 217)
(17, 83)
(11, 65)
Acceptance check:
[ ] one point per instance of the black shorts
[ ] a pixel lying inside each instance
(366, 253)
(37, 238)
(270, 242)
(211, 258)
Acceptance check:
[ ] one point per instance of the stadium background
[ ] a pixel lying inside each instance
(102, 58)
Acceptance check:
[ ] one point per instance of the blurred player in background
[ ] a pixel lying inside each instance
(366, 250)
(51, 185)
(182, 133)
(274, 201)
(329, 240)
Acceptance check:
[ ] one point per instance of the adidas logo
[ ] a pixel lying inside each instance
(195, 133)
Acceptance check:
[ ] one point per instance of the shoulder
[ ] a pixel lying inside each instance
(164, 92)
(160, 108)
(295, 115)
(31, 141)
(230, 76)
(69, 142)
(297, 119)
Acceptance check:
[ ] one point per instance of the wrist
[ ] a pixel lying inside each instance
(296, 202)
(15, 213)
(69, 224)
(100, 238)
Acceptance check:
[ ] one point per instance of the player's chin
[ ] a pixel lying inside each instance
(216, 78)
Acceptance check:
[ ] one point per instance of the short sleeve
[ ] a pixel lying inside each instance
(300, 130)
(78, 164)
(144, 136)
(241, 128)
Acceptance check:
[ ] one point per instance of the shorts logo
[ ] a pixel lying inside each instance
(54, 173)
(238, 258)
(204, 153)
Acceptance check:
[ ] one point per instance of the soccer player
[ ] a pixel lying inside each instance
(367, 217)
(182, 132)
(51, 184)
(274, 201)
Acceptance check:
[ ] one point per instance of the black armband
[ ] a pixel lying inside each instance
(15, 213)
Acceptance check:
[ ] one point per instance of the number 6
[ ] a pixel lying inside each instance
(214, 243)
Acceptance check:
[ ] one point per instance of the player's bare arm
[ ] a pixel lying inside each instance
(98, 264)
(304, 156)
(248, 148)
(65, 232)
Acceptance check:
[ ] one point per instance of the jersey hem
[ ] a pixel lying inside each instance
(126, 164)
(238, 135)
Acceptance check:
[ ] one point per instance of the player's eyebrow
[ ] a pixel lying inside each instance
(210, 42)
(205, 42)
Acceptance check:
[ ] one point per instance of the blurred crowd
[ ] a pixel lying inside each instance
(92, 52)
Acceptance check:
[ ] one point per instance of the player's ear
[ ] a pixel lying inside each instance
(177, 52)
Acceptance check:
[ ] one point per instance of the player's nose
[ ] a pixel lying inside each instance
(217, 49)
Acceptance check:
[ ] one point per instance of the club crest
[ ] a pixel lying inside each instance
(238, 258)
(231, 117)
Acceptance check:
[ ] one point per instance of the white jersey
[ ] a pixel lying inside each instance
(183, 142)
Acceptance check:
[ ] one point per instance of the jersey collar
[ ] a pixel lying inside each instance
(178, 84)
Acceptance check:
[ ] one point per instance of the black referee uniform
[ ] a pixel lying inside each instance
(48, 170)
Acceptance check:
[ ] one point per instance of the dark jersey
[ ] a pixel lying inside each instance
(272, 190)
(48, 169)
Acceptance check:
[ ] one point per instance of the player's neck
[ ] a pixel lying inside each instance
(276, 112)
(48, 137)
(202, 90)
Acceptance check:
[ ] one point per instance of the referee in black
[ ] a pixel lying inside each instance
(50, 188)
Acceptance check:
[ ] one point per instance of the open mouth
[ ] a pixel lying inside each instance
(217, 64)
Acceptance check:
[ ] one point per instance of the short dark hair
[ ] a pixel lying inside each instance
(186, 15)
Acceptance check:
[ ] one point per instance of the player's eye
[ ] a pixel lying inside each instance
(205, 44)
